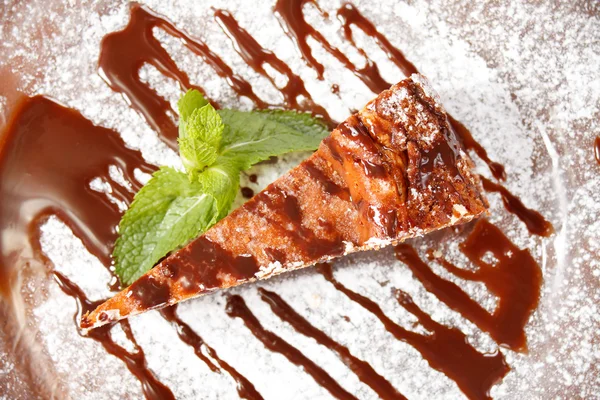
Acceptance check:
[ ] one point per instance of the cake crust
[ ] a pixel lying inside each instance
(392, 171)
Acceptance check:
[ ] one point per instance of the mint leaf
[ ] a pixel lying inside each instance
(215, 146)
(200, 139)
(221, 180)
(165, 214)
(189, 102)
(300, 121)
(251, 136)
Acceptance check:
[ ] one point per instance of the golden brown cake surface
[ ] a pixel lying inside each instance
(392, 171)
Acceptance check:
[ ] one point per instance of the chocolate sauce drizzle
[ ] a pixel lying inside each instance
(123, 53)
(445, 349)
(292, 20)
(513, 277)
(49, 157)
(257, 57)
(349, 15)
(135, 360)
(535, 222)
(362, 369)
(245, 388)
(236, 307)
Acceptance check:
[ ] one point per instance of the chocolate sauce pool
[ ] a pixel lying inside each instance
(48, 158)
(49, 155)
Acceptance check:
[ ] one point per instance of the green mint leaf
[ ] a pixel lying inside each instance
(200, 138)
(252, 136)
(222, 181)
(165, 214)
(190, 101)
(172, 208)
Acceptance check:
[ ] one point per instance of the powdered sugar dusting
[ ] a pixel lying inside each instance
(522, 77)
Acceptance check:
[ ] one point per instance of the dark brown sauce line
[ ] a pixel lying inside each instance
(236, 307)
(349, 15)
(256, 57)
(363, 370)
(245, 388)
(597, 149)
(329, 186)
(123, 54)
(292, 20)
(515, 279)
(446, 349)
(535, 222)
(134, 361)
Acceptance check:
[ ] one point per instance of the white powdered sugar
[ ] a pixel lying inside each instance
(524, 79)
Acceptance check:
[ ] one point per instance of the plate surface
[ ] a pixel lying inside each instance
(522, 77)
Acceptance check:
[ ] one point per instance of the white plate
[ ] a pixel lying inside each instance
(523, 77)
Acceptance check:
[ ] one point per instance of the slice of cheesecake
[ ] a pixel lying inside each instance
(392, 171)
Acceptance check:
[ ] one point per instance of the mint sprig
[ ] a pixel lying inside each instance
(215, 146)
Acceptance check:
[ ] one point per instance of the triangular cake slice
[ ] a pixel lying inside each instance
(392, 171)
